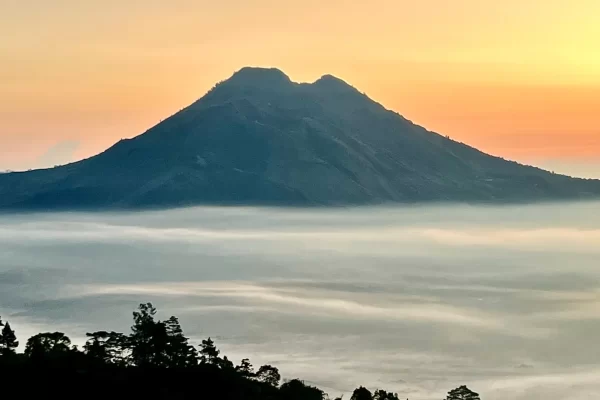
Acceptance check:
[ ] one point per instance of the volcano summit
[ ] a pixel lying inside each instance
(260, 139)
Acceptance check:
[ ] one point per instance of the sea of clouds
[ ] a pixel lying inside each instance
(416, 300)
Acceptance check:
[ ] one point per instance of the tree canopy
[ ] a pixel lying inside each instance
(8, 340)
(462, 393)
(154, 361)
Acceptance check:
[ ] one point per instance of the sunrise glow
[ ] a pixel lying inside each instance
(517, 79)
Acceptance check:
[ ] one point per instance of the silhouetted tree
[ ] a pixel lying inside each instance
(361, 393)
(108, 347)
(159, 344)
(297, 390)
(155, 361)
(462, 393)
(179, 352)
(8, 340)
(383, 395)
(269, 375)
(226, 364)
(245, 368)
(95, 346)
(48, 344)
(209, 354)
(148, 340)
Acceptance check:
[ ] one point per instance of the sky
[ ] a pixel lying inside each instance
(519, 79)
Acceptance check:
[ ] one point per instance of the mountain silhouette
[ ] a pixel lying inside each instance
(260, 139)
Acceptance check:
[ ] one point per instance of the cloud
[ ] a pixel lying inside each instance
(413, 299)
(303, 303)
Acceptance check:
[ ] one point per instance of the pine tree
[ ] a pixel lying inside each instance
(179, 352)
(226, 364)
(1, 324)
(209, 354)
(8, 340)
(148, 338)
(245, 368)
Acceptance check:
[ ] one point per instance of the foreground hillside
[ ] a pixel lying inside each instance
(259, 138)
(155, 361)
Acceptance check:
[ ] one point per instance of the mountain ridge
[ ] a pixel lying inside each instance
(258, 138)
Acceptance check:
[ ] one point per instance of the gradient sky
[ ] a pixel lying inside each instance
(520, 79)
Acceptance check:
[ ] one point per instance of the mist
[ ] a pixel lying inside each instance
(416, 300)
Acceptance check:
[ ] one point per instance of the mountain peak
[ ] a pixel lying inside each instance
(260, 139)
(330, 82)
(258, 76)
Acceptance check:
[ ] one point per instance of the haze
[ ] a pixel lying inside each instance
(416, 299)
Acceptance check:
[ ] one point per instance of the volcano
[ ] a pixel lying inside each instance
(258, 138)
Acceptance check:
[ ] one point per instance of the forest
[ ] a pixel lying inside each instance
(154, 361)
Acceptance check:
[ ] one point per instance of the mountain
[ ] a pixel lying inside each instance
(260, 139)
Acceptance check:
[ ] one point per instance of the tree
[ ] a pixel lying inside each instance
(297, 390)
(179, 352)
(209, 354)
(47, 344)
(8, 340)
(154, 360)
(95, 346)
(224, 364)
(149, 339)
(269, 375)
(245, 368)
(462, 393)
(156, 343)
(107, 347)
(361, 393)
(383, 395)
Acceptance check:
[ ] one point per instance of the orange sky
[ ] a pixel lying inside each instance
(519, 79)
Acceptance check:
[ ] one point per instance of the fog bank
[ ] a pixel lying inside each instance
(417, 300)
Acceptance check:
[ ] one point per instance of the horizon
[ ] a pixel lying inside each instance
(520, 81)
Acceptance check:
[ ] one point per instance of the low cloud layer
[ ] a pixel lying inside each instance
(417, 300)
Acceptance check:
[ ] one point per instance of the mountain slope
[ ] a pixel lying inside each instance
(258, 138)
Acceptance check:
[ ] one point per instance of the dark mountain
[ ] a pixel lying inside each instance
(259, 138)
